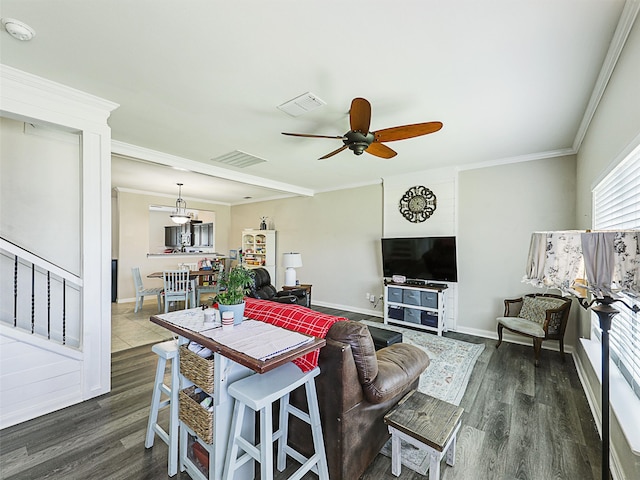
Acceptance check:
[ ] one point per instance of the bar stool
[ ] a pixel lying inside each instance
(258, 392)
(165, 351)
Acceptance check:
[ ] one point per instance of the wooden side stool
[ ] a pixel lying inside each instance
(426, 423)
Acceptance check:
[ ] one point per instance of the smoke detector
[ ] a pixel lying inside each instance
(18, 29)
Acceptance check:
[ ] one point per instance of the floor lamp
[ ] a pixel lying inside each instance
(598, 262)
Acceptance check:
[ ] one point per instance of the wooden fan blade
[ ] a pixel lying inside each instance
(406, 131)
(380, 150)
(309, 135)
(333, 153)
(360, 115)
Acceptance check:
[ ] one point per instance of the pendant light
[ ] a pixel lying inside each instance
(180, 215)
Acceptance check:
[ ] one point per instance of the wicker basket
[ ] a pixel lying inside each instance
(197, 369)
(196, 416)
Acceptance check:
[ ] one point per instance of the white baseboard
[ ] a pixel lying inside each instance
(349, 308)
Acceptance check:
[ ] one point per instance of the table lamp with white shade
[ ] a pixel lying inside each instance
(291, 261)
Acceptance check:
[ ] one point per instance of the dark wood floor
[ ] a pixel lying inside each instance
(520, 422)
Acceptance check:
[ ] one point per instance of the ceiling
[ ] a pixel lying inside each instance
(199, 79)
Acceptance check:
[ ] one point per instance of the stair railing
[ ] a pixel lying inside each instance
(39, 297)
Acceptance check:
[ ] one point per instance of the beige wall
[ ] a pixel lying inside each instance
(133, 240)
(614, 129)
(499, 208)
(338, 234)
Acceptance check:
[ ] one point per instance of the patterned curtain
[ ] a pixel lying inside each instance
(557, 260)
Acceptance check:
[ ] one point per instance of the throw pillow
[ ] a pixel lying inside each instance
(535, 308)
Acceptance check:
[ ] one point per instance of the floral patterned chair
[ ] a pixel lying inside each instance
(537, 316)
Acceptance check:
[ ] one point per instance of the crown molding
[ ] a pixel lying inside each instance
(25, 92)
(562, 152)
(625, 24)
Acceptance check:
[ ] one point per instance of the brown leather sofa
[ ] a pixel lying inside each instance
(357, 386)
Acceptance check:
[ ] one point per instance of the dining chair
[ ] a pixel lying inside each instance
(177, 287)
(141, 292)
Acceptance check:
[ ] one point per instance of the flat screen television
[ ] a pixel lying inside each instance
(420, 258)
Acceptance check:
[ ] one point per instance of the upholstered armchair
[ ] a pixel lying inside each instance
(537, 316)
(263, 290)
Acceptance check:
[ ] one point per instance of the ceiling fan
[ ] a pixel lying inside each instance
(359, 139)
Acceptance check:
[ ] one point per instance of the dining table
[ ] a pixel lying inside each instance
(235, 356)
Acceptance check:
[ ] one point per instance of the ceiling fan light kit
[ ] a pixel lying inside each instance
(359, 139)
(180, 215)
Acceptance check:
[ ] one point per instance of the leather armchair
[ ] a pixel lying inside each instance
(356, 387)
(263, 290)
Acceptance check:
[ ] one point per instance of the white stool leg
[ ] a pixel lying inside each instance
(451, 453)
(173, 418)
(234, 434)
(396, 455)
(316, 429)
(183, 448)
(434, 466)
(266, 445)
(283, 432)
(155, 402)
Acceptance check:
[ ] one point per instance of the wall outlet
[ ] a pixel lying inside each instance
(367, 295)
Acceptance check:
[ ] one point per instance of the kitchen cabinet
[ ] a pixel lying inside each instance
(202, 235)
(172, 236)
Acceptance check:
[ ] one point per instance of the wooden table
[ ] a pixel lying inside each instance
(258, 366)
(426, 423)
(230, 365)
(192, 273)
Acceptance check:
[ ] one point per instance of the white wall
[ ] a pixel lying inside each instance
(41, 166)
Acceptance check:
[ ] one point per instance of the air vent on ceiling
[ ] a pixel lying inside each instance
(302, 104)
(238, 159)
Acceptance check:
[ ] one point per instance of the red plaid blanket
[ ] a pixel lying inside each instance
(293, 317)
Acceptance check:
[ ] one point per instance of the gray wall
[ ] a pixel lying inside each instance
(499, 208)
(614, 130)
(338, 234)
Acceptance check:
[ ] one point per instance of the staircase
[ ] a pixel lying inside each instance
(41, 358)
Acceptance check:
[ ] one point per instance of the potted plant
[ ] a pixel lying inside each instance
(234, 285)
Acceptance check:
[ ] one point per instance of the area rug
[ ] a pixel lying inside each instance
(446, 378)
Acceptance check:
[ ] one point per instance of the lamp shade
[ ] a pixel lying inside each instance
(180, 215)
(291, 260)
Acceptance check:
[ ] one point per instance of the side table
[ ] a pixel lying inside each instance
(428, 424)
(304, 286)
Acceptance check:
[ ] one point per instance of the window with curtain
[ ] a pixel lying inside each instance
(616, 202)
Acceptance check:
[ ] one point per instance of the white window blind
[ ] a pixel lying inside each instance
(617, 206)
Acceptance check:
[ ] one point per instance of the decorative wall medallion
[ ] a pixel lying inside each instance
(417, 204)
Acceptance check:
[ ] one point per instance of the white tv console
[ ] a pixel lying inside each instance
(419, 306)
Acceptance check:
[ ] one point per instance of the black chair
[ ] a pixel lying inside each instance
(263, 290)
